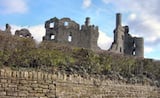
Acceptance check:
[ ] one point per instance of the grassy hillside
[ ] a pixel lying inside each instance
(20, 53)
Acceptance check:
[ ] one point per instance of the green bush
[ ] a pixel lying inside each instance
(24, 52)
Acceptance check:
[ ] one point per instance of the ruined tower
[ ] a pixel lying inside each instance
(67, 31)
(89, 35)
(119, 34)
(124, 43)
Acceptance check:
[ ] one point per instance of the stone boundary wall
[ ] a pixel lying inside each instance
(37, 84)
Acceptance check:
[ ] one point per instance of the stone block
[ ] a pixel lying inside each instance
(51, 86)
(26, 75)
(23, 93)
(39, 95)
(3, 80)
(23, 82)
(45, 90)
(3, 93)
(43, 86)
(11, 93)
(39, 75)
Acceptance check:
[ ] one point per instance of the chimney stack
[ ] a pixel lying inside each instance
(87, 22)
(118, 19)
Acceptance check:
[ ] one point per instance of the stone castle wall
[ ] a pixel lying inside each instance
(67, 31)
(37, 84)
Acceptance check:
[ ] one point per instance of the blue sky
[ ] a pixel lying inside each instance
(142, 17)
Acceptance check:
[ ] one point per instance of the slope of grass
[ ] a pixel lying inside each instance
(17, 53)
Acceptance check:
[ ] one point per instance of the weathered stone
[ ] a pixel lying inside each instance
(12, 86)
(67, 31)
(43, 86)
(23, 33)
(124, 43)
(2, 93)
(26, 75)
(90, 87)
(12, 93)
(23, 82)
(3, 80)
(39, 95)
(45, 90)
(23, 93)
(7, 30)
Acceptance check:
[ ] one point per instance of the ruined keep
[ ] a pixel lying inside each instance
(23, 33)
(124, 43)
(67, 31)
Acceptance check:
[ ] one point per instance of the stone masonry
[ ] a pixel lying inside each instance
(124, 43)
(37, 84)
(67, 31)
(23, 33)
(7, 30)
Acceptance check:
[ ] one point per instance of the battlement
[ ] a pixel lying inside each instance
(67, 31)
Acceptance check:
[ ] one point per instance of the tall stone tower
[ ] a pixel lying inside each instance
(119, 34)
(124, 43)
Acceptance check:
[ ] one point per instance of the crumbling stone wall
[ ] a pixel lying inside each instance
(7, 29)
(37, 84)
(124, 43)
(67, 31)
(23, 33)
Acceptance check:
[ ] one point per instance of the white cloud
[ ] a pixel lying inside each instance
(13, 6)
(132, 16)
(37, 31)
(148, 50)
(87, 3)
(104, 41)
(148, 27)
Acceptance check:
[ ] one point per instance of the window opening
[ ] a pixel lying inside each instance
(52, 37)
(20, 35)
(134, 53)
(134, 45)
(120, 49)
(65, 23)
(51, 25)
(70, 38)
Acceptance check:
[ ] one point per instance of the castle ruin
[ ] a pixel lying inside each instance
(124, 43)
(67, 31)
(23, 33)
